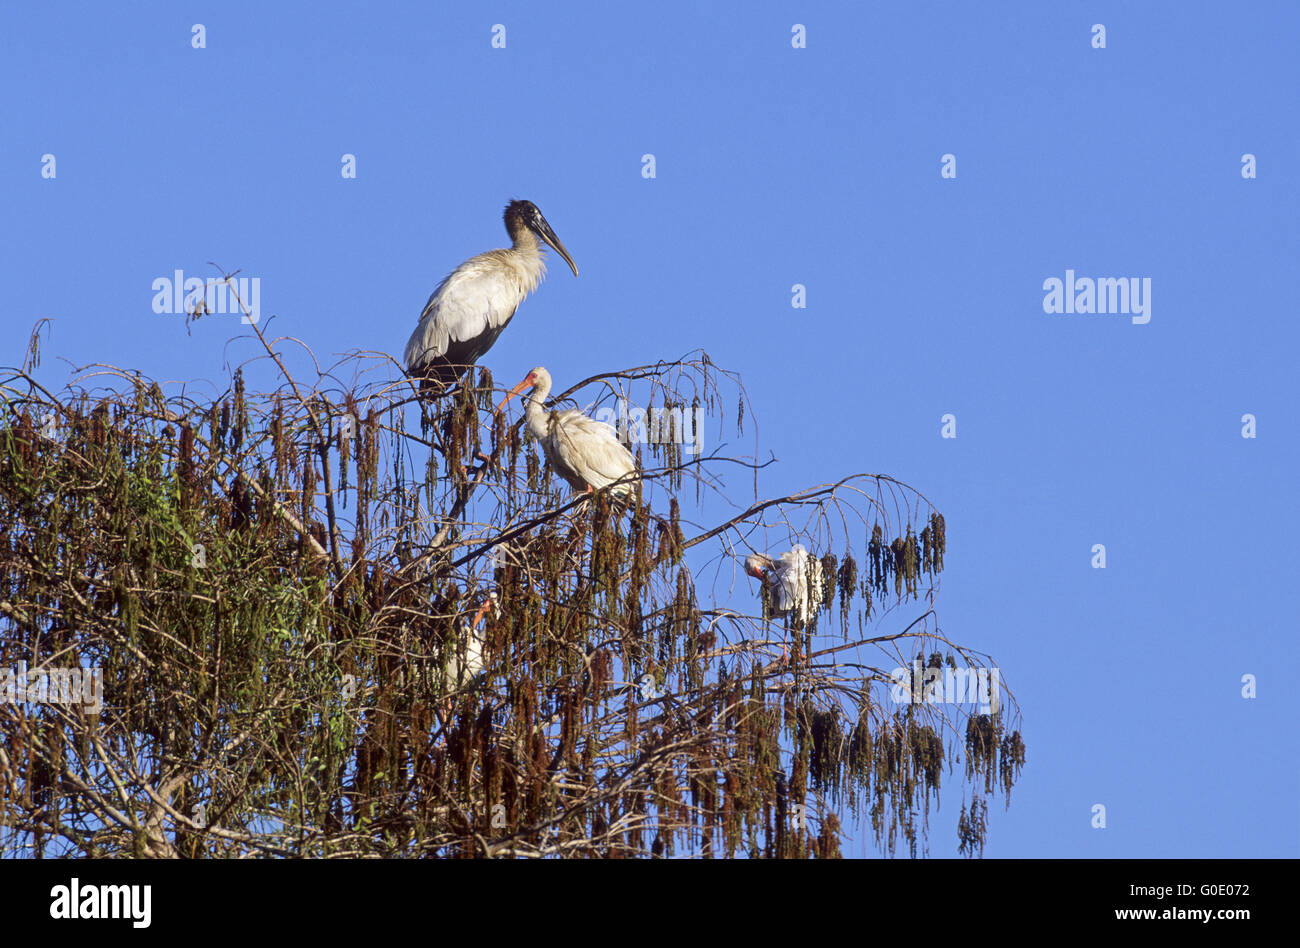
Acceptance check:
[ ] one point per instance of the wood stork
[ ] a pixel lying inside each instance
(585, 452)
(477, 300)
(793, 582)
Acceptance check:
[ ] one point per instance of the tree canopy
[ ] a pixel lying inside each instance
(279, 589)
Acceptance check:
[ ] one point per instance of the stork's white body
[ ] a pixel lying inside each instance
(794, 582)
(471, 306)
(476, 301)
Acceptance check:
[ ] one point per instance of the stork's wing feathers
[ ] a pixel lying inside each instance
(591, 449)
(471, 305)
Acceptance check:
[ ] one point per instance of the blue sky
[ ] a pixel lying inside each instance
(777, 166)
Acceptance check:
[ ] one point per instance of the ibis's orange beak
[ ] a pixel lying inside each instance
(482, 611)
(528, 381)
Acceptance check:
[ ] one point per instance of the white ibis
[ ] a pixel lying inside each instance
(585, 452)
(464, 663)
(793, 582)
(477, 300)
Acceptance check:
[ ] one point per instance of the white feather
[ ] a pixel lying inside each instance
(465, 662)
(481, 294)
(591, 449)
(795, 582)
(584, 451)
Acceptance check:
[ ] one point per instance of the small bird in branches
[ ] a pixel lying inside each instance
(465, 663)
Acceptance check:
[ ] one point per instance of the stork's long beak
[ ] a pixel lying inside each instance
(543, 230)
(515, 391)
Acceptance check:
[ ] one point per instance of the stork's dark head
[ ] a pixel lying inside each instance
(524, 215)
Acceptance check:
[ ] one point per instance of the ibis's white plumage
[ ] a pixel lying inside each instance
(794, 582)
(474, 303)
(465, 661)
(585, 452)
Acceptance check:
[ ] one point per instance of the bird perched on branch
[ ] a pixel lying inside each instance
(585, 452)
(793, 582)
(477, 300)
(465, 661)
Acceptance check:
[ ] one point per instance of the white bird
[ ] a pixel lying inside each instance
(465, 661)
(477, 300)
(585, 452)
(793, 582)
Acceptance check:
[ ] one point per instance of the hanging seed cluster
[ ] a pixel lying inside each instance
(993, 755)
(972, 827)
